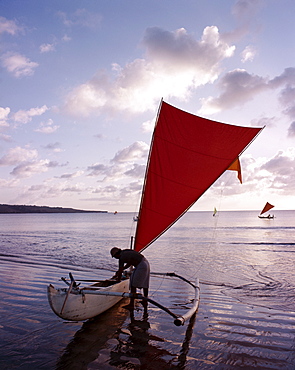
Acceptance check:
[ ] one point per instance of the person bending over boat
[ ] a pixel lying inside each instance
(140, 276)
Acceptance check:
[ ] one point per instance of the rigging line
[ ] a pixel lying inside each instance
(224, 184)
(213, 237)
(159, 286)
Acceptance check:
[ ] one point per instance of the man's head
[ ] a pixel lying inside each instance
(115, 252)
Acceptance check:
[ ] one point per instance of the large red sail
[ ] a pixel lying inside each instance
(266, 208)
(188, 153)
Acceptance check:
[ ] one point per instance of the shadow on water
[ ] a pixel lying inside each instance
(120, 339)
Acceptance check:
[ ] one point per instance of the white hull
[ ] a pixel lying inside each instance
(77, 306)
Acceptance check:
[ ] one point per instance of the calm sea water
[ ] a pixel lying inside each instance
(246, 315)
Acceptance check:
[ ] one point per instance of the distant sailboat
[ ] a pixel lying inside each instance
(214, 212)
(266, 208)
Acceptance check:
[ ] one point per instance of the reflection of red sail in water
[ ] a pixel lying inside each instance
(187, 155)
(266, 208)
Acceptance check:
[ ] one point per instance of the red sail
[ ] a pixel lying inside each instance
(188, 154)
(266, 208)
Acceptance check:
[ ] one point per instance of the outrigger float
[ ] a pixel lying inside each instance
(187, 155)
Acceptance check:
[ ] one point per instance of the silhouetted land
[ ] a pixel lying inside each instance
(7, 208)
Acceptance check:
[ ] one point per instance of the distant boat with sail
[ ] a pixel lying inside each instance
(214, 212)
(265, 209)
(187, 155)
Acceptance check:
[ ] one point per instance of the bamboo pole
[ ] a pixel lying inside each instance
(178, 320)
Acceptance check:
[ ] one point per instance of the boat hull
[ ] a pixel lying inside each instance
(77, 306)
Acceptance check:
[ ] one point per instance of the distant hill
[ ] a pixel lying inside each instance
(7, 208)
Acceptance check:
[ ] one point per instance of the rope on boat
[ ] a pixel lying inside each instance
(175, 275)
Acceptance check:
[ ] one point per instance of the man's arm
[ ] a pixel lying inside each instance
(118, 274)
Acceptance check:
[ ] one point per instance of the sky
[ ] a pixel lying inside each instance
(81, 82)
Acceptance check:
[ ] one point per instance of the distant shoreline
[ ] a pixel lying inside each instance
(8, 208)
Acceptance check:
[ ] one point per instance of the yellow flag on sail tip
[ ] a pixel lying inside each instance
(236, 166)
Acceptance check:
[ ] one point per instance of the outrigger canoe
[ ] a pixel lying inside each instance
(187, 155)
(76, 304)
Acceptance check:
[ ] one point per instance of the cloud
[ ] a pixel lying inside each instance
(28, 169)
(175, 63)
(261, 176)
(4, 112)
(25, 116)
(66, 38)
(238, 87)
(46, 48)
(71, 175)
(126, 163)
(248, 54)
(25, 162)
(148, 126)
(5, 137)
(18, 65)
(136, 151)
(291, 130)
(246, 9)
(47, 127)
(17, 155)
(55, 147)
(264, 121)
(82, 18)
(9, 26)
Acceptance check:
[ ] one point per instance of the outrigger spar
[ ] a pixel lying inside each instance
(187, 155)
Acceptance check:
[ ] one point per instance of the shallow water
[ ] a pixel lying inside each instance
(245, 318)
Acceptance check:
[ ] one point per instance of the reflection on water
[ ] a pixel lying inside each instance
(89, 342)
(245, 319)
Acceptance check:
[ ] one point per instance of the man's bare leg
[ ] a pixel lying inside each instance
(130, 306)
(144, 302)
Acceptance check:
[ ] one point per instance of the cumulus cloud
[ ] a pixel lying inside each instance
(18, 65)
(47, 127)
(17, 155)
(9, 26)
(25, 116)
(25, 162)
(238, 87)
(175, 63)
